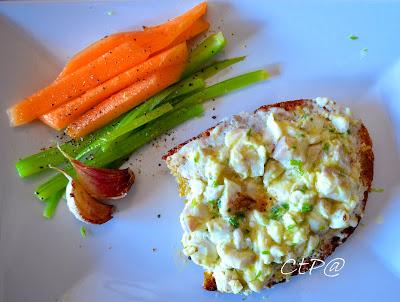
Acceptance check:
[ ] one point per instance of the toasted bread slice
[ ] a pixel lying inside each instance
(331, 240)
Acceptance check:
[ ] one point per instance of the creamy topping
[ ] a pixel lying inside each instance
(266, 187)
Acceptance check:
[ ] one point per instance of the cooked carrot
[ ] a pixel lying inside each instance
(196, 29)
(92, 52)
(153, 39)
(75, 84)
(65, 114)
(126, 99)
(184, 20)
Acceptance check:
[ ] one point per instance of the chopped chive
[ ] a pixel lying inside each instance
(196, 158)
(212, 202)
(285, 206)
(277, 211)
(265, 252)
(234, 222)
(306, 208)
(298, 164)
(249, 132)
(377, 190)
(353, 37)
(216, 184)
(258, 275)
(325, 148)
(83, 232)
(291, 227)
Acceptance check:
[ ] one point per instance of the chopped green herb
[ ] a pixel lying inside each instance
(212, 202)
(196, 157)
(234, 222)
(291, 227)
(257, 276)
(325, 148)
(265, 252)
(353, 37)
(277, 211)
(295, 162)
(216, 184)
(377, 190)
(83, 232)
(249, 132)
(194, 202)
(285, 206)
(303, 189)
(306, 208)
(298, 164)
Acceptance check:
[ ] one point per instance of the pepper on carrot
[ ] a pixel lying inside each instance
(126, 99)
(153, 39)
(75, 84)
(104, 68)
(67, 113)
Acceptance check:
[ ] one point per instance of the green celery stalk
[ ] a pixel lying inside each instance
(136, 123)
(123, 148)
(213, 69)
(203, 52)
(51, 204)
(41, 161)
(178, 89)
(224, 87)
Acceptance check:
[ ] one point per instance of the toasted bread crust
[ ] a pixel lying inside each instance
(366, 157)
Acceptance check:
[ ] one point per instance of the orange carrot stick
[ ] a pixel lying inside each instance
(92, 52)
(75, 84)
(121, 102)
(65, 114)
(196, 29)
(153, 39)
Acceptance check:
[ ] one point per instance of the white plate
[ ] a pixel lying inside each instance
(48, 260)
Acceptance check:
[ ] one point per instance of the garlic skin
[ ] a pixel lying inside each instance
(84, 194)
(84, 207)
(103, 183)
